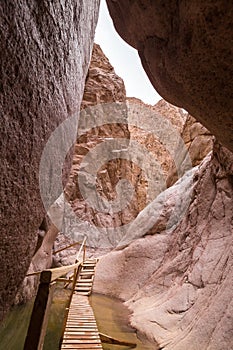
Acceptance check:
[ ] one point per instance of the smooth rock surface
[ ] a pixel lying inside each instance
(178, 284)
(45, 52)
(186, 50)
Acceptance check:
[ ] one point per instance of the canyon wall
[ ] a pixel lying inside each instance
(186, 50)
(198, 143)
(178, 282)
(45, 53)
(177, 278)
(108, 115)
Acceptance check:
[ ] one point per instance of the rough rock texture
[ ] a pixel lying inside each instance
(198, 142)
(45, 52)
(186, 50)
(104, 104)
(179, 284)
(102, 83)
(106, 92)
(41, 260)
(150, 138)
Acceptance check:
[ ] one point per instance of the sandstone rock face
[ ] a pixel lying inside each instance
(178, 284)
(198, 142)
(102, 83)
(150, 138)
(107, 115)
(186, 50)
(45, 52)
(104, 226)
(106, 91)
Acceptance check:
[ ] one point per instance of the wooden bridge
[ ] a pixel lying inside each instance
(80, 330)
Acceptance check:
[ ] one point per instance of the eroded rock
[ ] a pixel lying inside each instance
(147, 134)
(178, 284)
(198, 143)
(45, 52)
(102, 85)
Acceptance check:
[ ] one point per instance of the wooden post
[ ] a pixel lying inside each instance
(40, 313)
(80, 250)
(84, 252)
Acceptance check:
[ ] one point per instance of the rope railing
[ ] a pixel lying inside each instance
(40, 313)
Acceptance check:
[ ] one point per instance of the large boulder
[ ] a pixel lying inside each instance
(45, 52)
(186, 50)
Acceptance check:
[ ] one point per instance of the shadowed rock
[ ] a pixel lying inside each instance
(45, 51)
(186, 50)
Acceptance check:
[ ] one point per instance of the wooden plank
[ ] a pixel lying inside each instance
(82, 346)
(78, 328)
(81, 331)
(80, 313)
(78, 341)
(81, 318)
(81, 335)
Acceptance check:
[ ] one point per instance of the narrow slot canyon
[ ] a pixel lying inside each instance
(116, 212)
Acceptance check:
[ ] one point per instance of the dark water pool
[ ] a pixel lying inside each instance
(13, 330)
(111, 315)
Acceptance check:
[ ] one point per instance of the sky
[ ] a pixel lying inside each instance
(124, 59)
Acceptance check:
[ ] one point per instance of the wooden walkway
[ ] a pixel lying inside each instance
(85, 277)
(81, 331)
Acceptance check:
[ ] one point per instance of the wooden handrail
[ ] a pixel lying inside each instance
(59, 271)
(51, 275)
(67, 247)
(56, 272)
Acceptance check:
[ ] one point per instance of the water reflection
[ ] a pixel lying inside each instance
(113, 319)
(13, 330)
